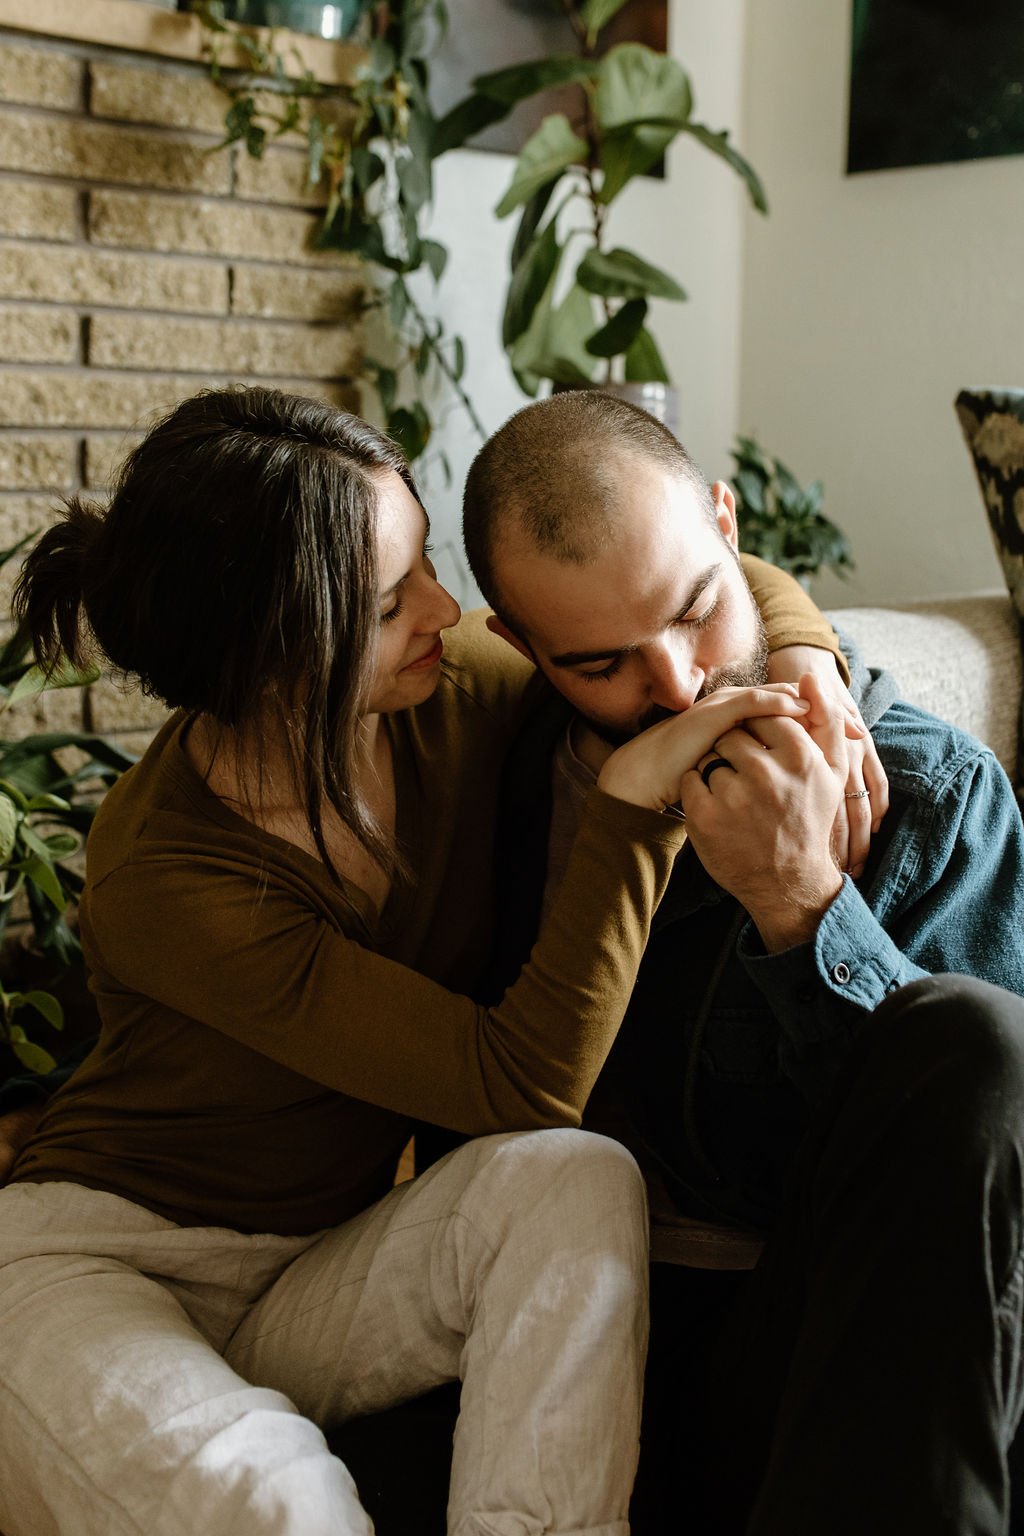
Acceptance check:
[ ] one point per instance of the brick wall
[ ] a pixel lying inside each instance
(137, 266)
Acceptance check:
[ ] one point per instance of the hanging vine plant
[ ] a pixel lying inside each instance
(370, 149)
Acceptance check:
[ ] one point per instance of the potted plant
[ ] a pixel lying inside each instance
(50, 787)
(633, 103)
(782, 521)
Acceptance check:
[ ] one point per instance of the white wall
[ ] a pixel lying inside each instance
(868, 302)
(691, 223)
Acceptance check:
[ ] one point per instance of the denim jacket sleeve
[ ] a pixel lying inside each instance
(944, 891)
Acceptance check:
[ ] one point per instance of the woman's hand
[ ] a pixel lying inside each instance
(860, 814)
(649, 769)
(15, 1129)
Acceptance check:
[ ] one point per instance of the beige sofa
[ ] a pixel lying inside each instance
(957, 657)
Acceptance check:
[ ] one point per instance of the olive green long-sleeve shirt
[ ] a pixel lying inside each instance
(267, 1039)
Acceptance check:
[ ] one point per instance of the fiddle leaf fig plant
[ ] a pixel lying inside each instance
(782, 521)
(577, 307)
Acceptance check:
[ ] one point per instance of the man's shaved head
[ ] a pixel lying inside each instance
(553, 475)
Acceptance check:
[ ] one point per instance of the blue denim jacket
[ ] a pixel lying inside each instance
(726, 1050)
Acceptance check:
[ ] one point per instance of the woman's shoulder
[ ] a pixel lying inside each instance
(482, 666)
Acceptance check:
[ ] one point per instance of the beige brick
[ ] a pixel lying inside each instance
(39, 77)
(58, 709)
(131, 341)
(279, 176)
(94, 399)
(27, 463)
(30, 335)
(104, 454)
(114, 706)
(63, 275)
(32, 208)
(177, 98)
(285, 293)
(199, 226)
(157, 93)
(103, 152)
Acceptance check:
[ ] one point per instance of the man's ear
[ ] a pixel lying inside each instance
(498, 627)
(725, 513)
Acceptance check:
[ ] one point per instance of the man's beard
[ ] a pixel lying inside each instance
(750, 672)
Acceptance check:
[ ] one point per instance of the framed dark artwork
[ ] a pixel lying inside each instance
(935, 80)
(486, 35)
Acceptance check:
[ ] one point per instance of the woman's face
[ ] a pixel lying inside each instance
(414, 607)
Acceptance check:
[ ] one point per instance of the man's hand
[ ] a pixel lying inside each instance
(762, 825)
(859, 815)
(15, 1129)
(650, 770)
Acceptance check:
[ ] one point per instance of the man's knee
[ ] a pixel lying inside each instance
(957, 1041)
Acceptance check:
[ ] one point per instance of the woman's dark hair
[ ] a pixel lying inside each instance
(234, 568)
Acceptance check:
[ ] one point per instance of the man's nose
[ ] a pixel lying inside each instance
(674, 678)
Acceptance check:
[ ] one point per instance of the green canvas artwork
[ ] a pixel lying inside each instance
(934, 81)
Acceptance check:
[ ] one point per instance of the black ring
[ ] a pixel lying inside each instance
(716, 762)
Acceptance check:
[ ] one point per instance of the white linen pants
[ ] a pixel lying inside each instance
(158, 1380)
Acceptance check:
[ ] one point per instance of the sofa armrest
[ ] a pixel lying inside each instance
(959, 658)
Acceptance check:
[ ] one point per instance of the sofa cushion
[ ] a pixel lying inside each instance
(992, 421)
(959, 658)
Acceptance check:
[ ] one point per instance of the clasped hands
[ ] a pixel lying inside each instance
(784, 812)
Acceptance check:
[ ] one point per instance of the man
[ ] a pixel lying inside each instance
(775, 1066)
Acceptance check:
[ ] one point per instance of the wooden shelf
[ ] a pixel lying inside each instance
(139, 28)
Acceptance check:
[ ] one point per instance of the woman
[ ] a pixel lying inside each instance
(201, 1255)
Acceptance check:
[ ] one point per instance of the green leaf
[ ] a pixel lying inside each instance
(629, 152)
(367, 167)
(620, 332)
(410, 429)
(9, 820)
(386, 385)
(32, 1057)
(15, 794)
(527, 353)
(570, 328)
(436, 257)
(545, 155)
(458, 361)
(398, 303)
(40, 873)
(719, 144)
(531, 217)
(465, 120)
(44, 1003)
(643, 100)
(644, 363)
(382, 62)
(619, 274)
(521, 81)
(36, 680)
(414, 180)
(596, 14)
(529, 282)
(61, 845)
(639, 85)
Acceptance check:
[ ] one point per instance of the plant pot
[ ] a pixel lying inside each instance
(335, 20)
(660, 400)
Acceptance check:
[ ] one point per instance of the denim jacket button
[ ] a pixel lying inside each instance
(841, 973)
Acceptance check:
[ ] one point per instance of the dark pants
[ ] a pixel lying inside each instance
(866, 1377)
